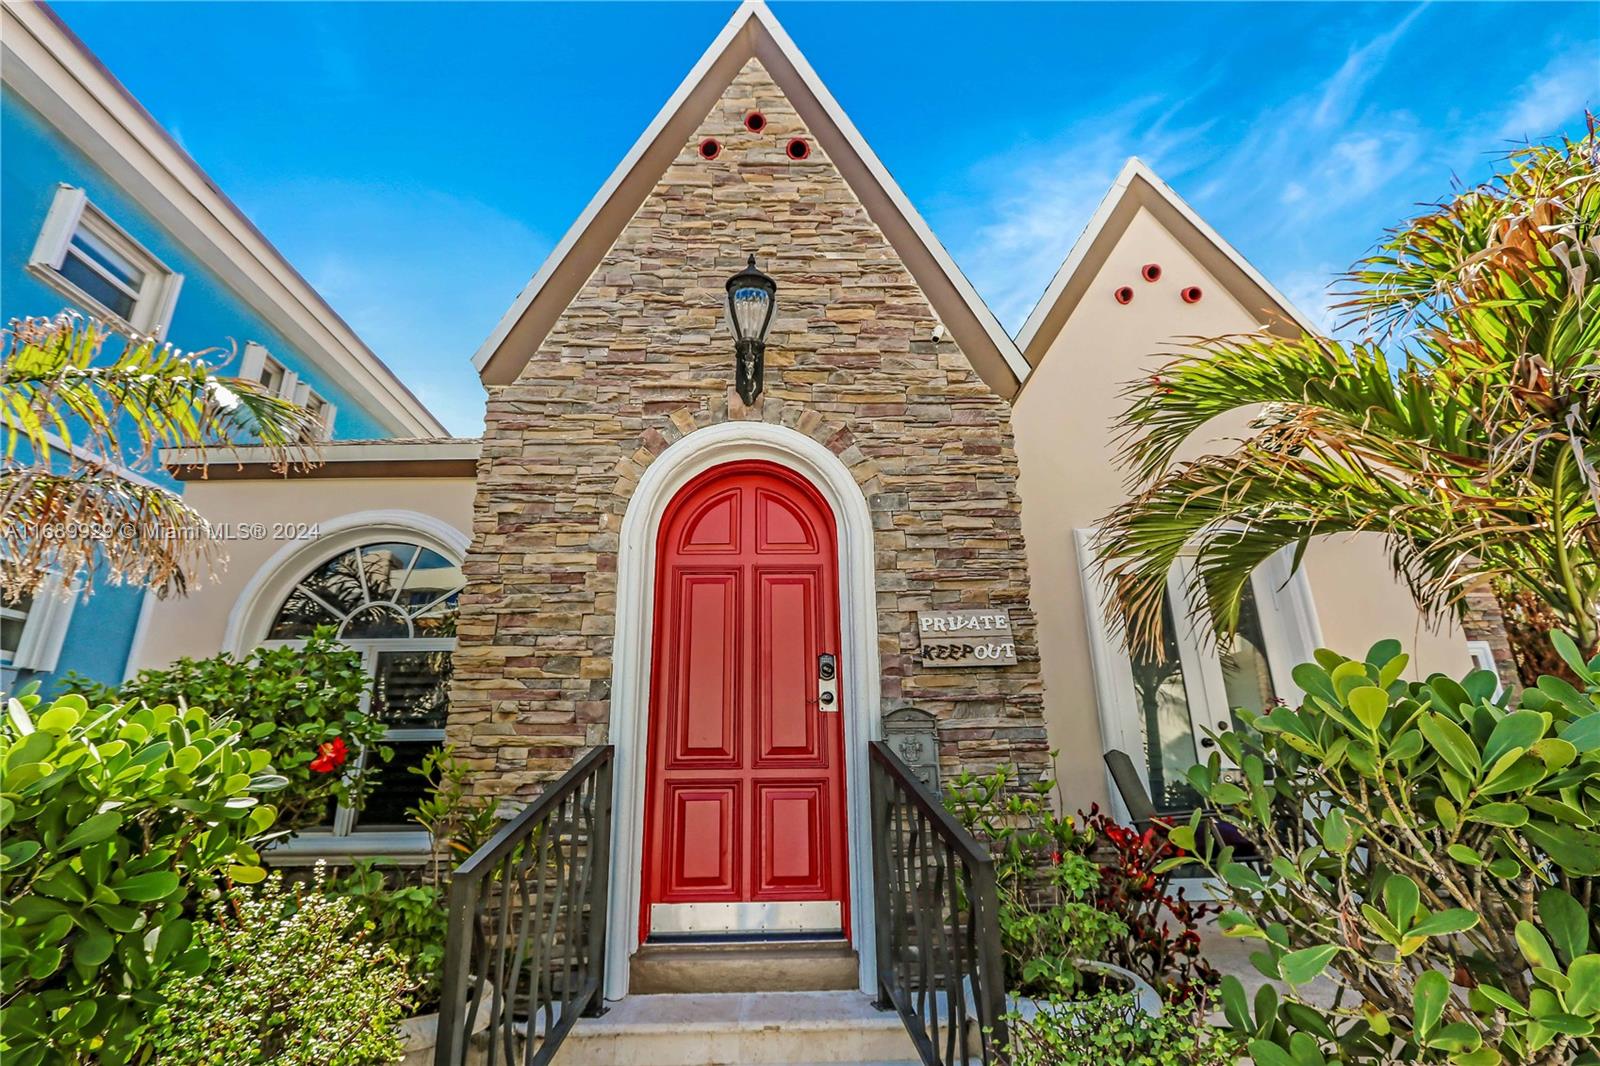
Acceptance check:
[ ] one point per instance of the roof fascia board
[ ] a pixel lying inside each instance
(1105, 227)
(335, 452)
(754, 31)
(53, 71)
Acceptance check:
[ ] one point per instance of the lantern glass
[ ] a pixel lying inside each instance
(751, 295)
(749, 306)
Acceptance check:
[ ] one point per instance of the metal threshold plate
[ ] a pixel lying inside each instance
(788, 916)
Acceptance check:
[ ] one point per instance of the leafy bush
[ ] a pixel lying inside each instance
(412, 918)
(458, 822)
(409, 919)
(1110, 1029)
(1045, 878)
(115, 819)
(1162, 942)
(289, 985)
(302, 703)
(1436, 849)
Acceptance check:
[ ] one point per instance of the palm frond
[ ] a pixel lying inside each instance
(71, 504)
(1477, 457)
(93, 521)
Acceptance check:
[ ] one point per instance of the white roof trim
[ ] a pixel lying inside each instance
(1120, 189)
(47, 66)
(757, 10)
(334, 452)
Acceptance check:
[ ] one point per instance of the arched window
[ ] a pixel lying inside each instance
(395, 602)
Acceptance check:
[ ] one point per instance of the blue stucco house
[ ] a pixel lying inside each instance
(103, 212)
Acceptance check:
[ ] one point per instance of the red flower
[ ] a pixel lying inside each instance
(330, 756)
(1056, 858)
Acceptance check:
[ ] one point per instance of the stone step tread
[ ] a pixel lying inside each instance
(741, 1011)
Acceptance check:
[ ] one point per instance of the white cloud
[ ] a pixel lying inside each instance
(1310, 292)
(1038, 209)
(1568, 83)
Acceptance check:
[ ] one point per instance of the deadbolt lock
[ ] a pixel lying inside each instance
(827, 683)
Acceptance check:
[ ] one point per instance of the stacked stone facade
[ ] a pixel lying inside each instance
(641, 358)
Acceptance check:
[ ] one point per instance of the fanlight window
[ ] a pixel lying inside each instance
(396, 603)
(380, 591)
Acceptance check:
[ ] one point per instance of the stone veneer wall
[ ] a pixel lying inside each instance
(641, 357)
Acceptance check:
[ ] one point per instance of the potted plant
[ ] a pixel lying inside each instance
(1053, 937)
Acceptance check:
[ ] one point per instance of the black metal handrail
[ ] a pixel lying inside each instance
(527, 937)
(937, 914)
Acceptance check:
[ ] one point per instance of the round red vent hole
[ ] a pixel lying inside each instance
(1124, 295)
(710, 148)
(1192, 294)
(798, 149)
(755, 122)
(1151, 272)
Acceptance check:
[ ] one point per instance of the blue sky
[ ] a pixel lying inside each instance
(417, 161)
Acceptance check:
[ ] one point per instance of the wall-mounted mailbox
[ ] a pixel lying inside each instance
(913, 735)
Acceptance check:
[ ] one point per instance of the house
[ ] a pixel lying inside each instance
(739, 591)
(107, 215)
(1147, 275)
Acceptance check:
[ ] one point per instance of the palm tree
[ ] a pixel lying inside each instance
(69, 502)
(1461, 424)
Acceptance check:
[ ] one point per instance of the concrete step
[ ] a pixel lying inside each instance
(740, 1029)
(761, 966)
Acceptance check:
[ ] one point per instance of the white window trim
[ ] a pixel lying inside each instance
(1482, 654)
(302, 394)
(1289, 628)
(254, 361)
(44, 631)
(252, 616)
(69, 210)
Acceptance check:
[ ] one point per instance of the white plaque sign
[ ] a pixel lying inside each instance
(965, 638)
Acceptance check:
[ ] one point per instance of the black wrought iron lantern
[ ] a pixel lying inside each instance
(752, 298)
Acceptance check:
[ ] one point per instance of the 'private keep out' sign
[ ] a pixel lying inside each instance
(965, 638)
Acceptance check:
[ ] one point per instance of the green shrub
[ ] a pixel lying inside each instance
(410, 919)
(1110, 1029)
(115, 820)
(1435, 848)
(1045, 879)
(292, 700)
(290, 984)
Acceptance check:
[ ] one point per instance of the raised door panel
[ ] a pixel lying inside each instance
(787, 720)
(703, 842)
(704, 724)
(781, 527)
(791, 846)
(713, 526)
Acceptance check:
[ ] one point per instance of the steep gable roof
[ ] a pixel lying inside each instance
(751, 32)
(1137, 186)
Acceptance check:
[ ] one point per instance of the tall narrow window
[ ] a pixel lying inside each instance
(1164, 709)
(1167, 718)
(395, 602)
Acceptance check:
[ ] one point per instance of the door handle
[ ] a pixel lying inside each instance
(827, 683)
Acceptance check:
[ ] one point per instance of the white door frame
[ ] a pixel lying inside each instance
(674, 468)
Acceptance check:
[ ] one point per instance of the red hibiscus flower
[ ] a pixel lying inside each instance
(330, 756)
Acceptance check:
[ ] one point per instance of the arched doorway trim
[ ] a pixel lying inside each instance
(683, 461)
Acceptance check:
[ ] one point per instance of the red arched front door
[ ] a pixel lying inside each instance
(744, 810)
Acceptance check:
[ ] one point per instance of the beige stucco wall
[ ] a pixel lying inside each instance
(1069, 481)
(194, 625)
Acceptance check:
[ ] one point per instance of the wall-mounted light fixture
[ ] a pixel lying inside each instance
(752, 299)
